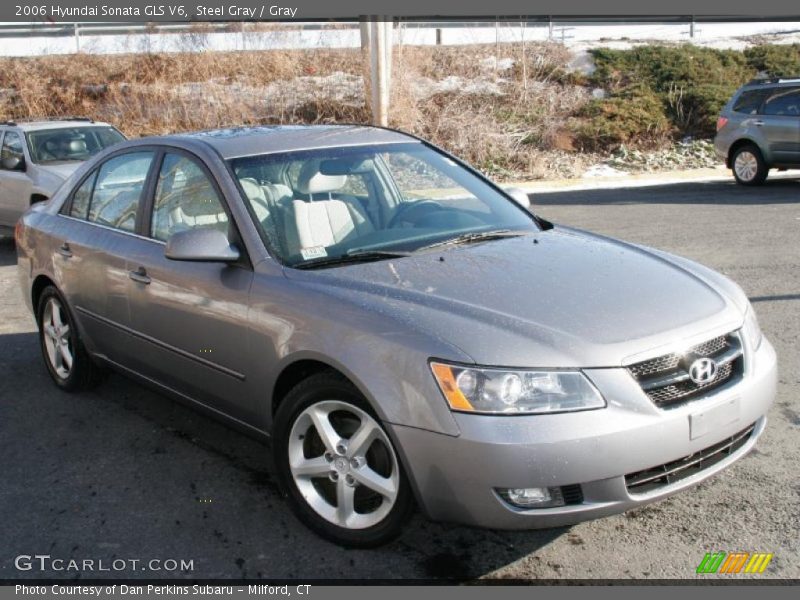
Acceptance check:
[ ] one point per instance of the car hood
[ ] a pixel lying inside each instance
(561, 298)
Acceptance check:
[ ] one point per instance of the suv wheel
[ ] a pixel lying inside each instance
(748, 166)
(67, 361)
(337, 464)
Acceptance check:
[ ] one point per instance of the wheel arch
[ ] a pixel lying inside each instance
(40, 282)
(301, 367)
(739, 144)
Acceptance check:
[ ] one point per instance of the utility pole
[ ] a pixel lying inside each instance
(380, 53)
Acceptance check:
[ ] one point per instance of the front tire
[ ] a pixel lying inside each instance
(337, 464)
(748, 166)
(66, 359)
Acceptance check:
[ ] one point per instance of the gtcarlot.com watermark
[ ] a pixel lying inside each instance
(47, 563)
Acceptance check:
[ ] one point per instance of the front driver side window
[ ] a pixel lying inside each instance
(185, 199)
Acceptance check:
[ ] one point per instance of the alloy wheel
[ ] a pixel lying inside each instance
(746, 165)
(58, 340)
(343, 464)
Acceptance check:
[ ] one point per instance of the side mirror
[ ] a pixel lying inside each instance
(520, 197)
(14, 163)
(201, 245)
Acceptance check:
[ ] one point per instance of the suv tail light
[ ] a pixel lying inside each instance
(721, 122)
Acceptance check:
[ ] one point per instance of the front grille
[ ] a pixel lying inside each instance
(654, 478)
(666, 380)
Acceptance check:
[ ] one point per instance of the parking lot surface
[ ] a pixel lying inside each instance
(123, 473)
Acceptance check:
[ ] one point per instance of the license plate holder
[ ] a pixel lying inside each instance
(725, 413)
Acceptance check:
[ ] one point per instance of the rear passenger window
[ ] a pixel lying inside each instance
(185, 199)
(786, 103)
(118, 190)
(81, 198)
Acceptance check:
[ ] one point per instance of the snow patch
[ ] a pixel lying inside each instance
(602, 170)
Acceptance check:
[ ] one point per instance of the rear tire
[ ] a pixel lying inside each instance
(337, 465)
(66, 359)
(748, 165)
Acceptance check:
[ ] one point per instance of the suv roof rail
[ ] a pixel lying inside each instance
(10, 122)
(770, 80)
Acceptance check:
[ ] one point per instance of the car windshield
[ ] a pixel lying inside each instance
(337, 205)
(70, 143)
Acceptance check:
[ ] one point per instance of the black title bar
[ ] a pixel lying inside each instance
(60, 11)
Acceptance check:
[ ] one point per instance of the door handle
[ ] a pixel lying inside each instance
(139, 276)
(65, 251)
(758, 123)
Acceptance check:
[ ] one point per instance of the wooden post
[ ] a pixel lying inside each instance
(388, 50)
(365, 50)
(379, 72)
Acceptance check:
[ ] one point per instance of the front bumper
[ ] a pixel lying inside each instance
(455, 478)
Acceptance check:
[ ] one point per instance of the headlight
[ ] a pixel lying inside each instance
(487, 390)
(751, 330)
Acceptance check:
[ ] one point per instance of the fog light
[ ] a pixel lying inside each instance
(536, 497)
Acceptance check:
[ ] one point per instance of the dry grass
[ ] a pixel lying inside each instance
(502, 107)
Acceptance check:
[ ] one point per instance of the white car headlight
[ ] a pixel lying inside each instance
(503, 391)
(751, 330)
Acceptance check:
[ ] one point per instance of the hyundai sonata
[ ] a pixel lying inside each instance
(405, 331)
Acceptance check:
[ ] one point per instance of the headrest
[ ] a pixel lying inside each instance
(77, 146)
(311, 181)
(252, 189)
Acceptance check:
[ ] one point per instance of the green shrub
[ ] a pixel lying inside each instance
(692, 84)
(777, 61)
(634, 116)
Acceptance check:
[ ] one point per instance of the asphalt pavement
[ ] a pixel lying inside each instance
(122, 474)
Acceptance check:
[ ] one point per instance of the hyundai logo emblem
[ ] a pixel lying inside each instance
(703, 370)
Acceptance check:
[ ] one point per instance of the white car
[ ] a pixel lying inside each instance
(37, 156)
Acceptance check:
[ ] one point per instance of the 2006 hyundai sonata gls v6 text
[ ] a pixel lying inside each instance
(405, 331)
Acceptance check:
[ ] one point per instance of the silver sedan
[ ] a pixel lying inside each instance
(405, 331)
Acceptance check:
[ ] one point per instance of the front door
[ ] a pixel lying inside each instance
(190, 318)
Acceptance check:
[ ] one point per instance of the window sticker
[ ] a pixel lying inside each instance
(314, 252)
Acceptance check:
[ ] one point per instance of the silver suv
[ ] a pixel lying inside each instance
(759, 129)
(37, 156)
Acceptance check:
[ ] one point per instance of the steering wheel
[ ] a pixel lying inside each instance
(417, 209)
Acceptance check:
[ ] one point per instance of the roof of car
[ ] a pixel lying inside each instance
(248, 141)
(766, 82)
(53, 124)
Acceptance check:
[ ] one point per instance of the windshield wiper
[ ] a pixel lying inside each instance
(478, 236)
(353, 256)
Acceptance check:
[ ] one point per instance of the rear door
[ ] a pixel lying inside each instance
(190, 318)
(15, 184)
(779, 120)
(98, 232)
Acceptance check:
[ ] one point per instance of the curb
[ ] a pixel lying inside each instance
(625, 181)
